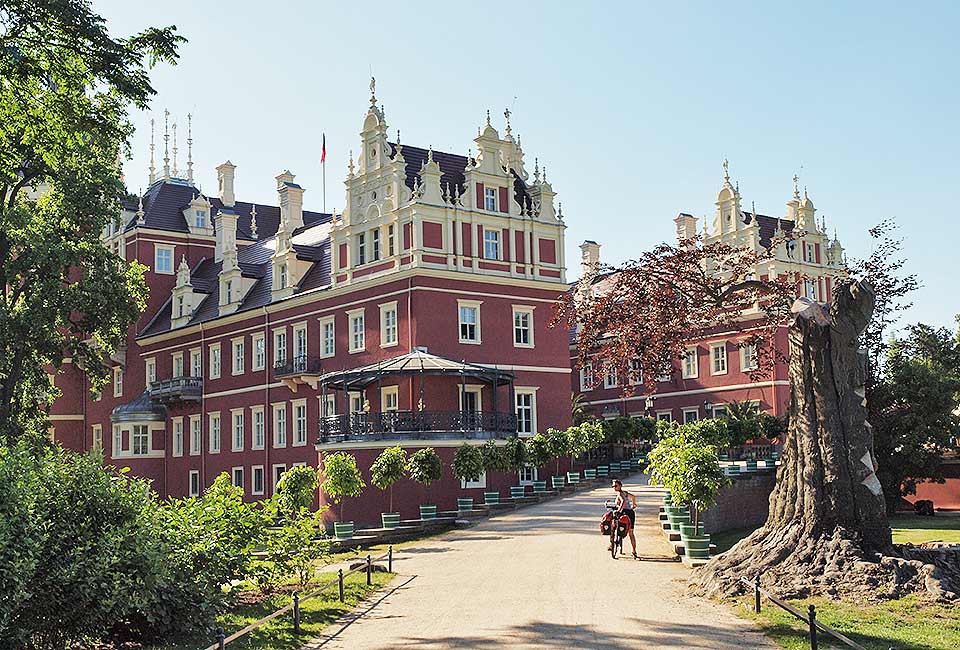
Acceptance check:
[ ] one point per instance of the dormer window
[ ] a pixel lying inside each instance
(362, 248)
(229, 291)
(491, 244)
(200, 218)
(283, 276)
(490, 199)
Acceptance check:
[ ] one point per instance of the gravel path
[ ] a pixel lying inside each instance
(541, 578)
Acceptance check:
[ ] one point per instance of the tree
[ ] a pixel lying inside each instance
(495, 457)
(558, 443)
(296, 490)
(388, 468)
(584, 437)
(294, 547)
(516, 453)
(342, 477)
(690, 469)
(67, 86)
(538, 450)
(468, 463)
(626, 430)
(913, 408)
(425, 466)
(827, 509)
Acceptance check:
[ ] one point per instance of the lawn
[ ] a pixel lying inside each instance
(915, 529)
(315, 614)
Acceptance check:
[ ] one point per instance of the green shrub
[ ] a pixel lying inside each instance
(688, 468)
(494, 457)
(388, 468)
(341, 478)
(538, 450)
(516, 453)
(468, 463)
(296, 490)
(294, 548)
(425, 466)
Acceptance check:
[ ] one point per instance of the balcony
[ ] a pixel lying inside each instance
(297, 371)
(176, 390)
(412, 425)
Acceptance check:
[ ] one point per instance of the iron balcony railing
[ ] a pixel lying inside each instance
(299, 365)
(412, 424)
(178, 389)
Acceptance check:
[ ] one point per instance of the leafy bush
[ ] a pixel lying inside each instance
(516, 453)
(342, 477)
(712, 432)
(389, 468)
(425, 466)
(625, 430)
(495, 457)
(584, 437)
(538, 450)
(296, 490)
(689, 469)
(468, 463)
(294, 548)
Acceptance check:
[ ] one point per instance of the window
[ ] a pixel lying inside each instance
(300, 346)
(719, 411)
(140, 440)
(527, 475)
(610, 377)
(328, 337)
(718, 358)
(748, 358)
(490, 199)
(526, 402)
(259, 428)
(237, 417)
(195, 435)
(390, 398)
(282, 275)
(586, 377)
(194, 483)
(178, 365)
(375, 244)
(215, 433)
(691, 415)
(98, 437)
(388, 325)
(279, 347)
(179, 306)
(117, 440)
(469, 321)
(279, 425)
(666, 416)
(163, 259)
(200, 218)
(691, 366)
(666, 375)
(358, 340)
(150, 371)
(809, 252)
(118, 382)
(362, 248)
(178, 437)
(300, 423)
(810, 289)
(215, 361)
(238, 354)
(636, 372)
(328, 405)
(481, 482)
(491, 244)
(391, 241)
(229, 291)
(196, 363)
(236, 477)
(278, 471)
(256, 474)
(259, 352)
(523, 327)
(356, 402)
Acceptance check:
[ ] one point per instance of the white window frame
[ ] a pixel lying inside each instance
(116, 447)
(687, 411)
(666, 415)
(491, 245)
(237, 418)
(118, 381)
(391, 240)
(276, 479)
(177, 435)
(491, 197)
(300, 343)
(328, 337)
(196, 362)
(214, 431)
(688, 370)
(177, 368)
(216, 361)
(610, 379)
(748, 364)
(238, 352)
(361, 248)
(158, 248)
(196, 435)
(531, 392)
(389, 394)
(478, 333)
(258, 346)
(194, 483)
(328, 408)
(254, 471)
(356, 401)
(278, 412)
(718, 359)
(97, 442)
(258, 427)
(636, 372)
(279, 345)
(149, 371)
(358, 337)
(389, 332)
(233, 477)
(481, 482)
(375, 245)
(141, 440)
(300, 433)
(587, 379)
(474, 389)
(526, 475)
(810, 289)
(523, 310)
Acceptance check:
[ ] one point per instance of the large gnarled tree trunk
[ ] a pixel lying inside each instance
(827, 531)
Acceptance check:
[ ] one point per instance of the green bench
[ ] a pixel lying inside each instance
(539, 487)
(491, 498)
(464, 504)
(558, 482)
(518, 491)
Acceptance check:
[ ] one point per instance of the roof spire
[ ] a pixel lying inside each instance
(373, 91)
(166, 142)
(350, 166)
(488, 117)
(153, 170)
(753, 210)
(175, 172)
(796, 187)
(560, 212)
(536, 170)
(506, 114)
(190, 147)
(140, 219)
(726, 170)
(253, 220)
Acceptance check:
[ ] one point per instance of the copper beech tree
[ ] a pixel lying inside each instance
(827, 530)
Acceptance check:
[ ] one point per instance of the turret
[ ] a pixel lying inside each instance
(225, 174)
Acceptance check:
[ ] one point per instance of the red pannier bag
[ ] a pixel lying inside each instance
(624, 523)
(605, 523)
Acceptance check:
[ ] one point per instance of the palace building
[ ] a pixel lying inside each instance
(716, 370)
(419, 316)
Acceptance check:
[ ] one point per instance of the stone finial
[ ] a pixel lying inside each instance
(796, 187)
(506, 115)
(488, 117)
(140, 213)
(560, 212)
(190, 147)
(166, 143)
(176, 172)
(536, 170)
(350, 164)
(726, 170)
(253, 220)
(373, 91)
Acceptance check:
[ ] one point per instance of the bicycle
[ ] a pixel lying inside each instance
(613, 524)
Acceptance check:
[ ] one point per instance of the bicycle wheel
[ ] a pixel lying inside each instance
(614, 543)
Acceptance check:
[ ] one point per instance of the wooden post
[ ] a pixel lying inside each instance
(340, 577)
(296, 614)
(220, 638)
(390, 559)
(369, 571)
(756, 593)
(812, 618)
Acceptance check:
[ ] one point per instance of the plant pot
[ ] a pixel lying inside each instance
(428, 512)
(589, 474)
(697, 547)
(464, 504)
(343, 529)
(390, 519)
(491, 498)
(689, 530)
(677, 521)
(558, 482)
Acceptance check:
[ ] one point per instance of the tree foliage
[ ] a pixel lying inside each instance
(627, 430)
(341, 477)
(67, 86)
(687, 467)
(296, 490)
(294, 548)
(425, 466)
(584, 437)
(468, 463)
(495, 458)
(538, 450)
(388, 468)
(516, 453)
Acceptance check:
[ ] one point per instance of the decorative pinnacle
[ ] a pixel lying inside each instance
(373, 91)
(726, 170)
(796, 187)
(153, 171)
(506, 114)
(536, 170)
(253, 220)
(544, 173)
(430, 154)
(140, 219)
(753, 209)
(190, 147)
(350, 166)
(166, 141)
(488, 117)
(560, 211)
(175, 172)
(804, 192)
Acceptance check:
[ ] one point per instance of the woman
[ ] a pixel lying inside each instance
(626, 502)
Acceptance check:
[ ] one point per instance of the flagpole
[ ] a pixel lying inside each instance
(323, 165)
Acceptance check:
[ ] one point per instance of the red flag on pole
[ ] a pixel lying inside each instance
(323, 150)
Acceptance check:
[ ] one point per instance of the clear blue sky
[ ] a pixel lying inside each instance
(632, 107)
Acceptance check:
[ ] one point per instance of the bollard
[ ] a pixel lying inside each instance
(220, 637)
(369, 571)
(756, 593)
(340, 578)
(390, 559)
(296, 614)
(813, 626)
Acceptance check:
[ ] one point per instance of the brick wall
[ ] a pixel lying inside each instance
(743, 504)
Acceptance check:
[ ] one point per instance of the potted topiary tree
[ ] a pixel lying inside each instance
(342, 479)
(425, 467)
(387, 469)
(467, 466)
(558, 445)
(495, 459)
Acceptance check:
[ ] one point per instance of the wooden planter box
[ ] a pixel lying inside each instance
(603, 470)
(491, 498)
(390, 519)
(558, 482)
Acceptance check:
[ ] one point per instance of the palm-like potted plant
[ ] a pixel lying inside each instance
(425, 467)
(467, 466)
(387, 469)
(342, 479)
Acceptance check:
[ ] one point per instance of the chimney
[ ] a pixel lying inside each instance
(686, 226)
(225, 223)
(589, 258)
(225, 182)
(291, 200)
